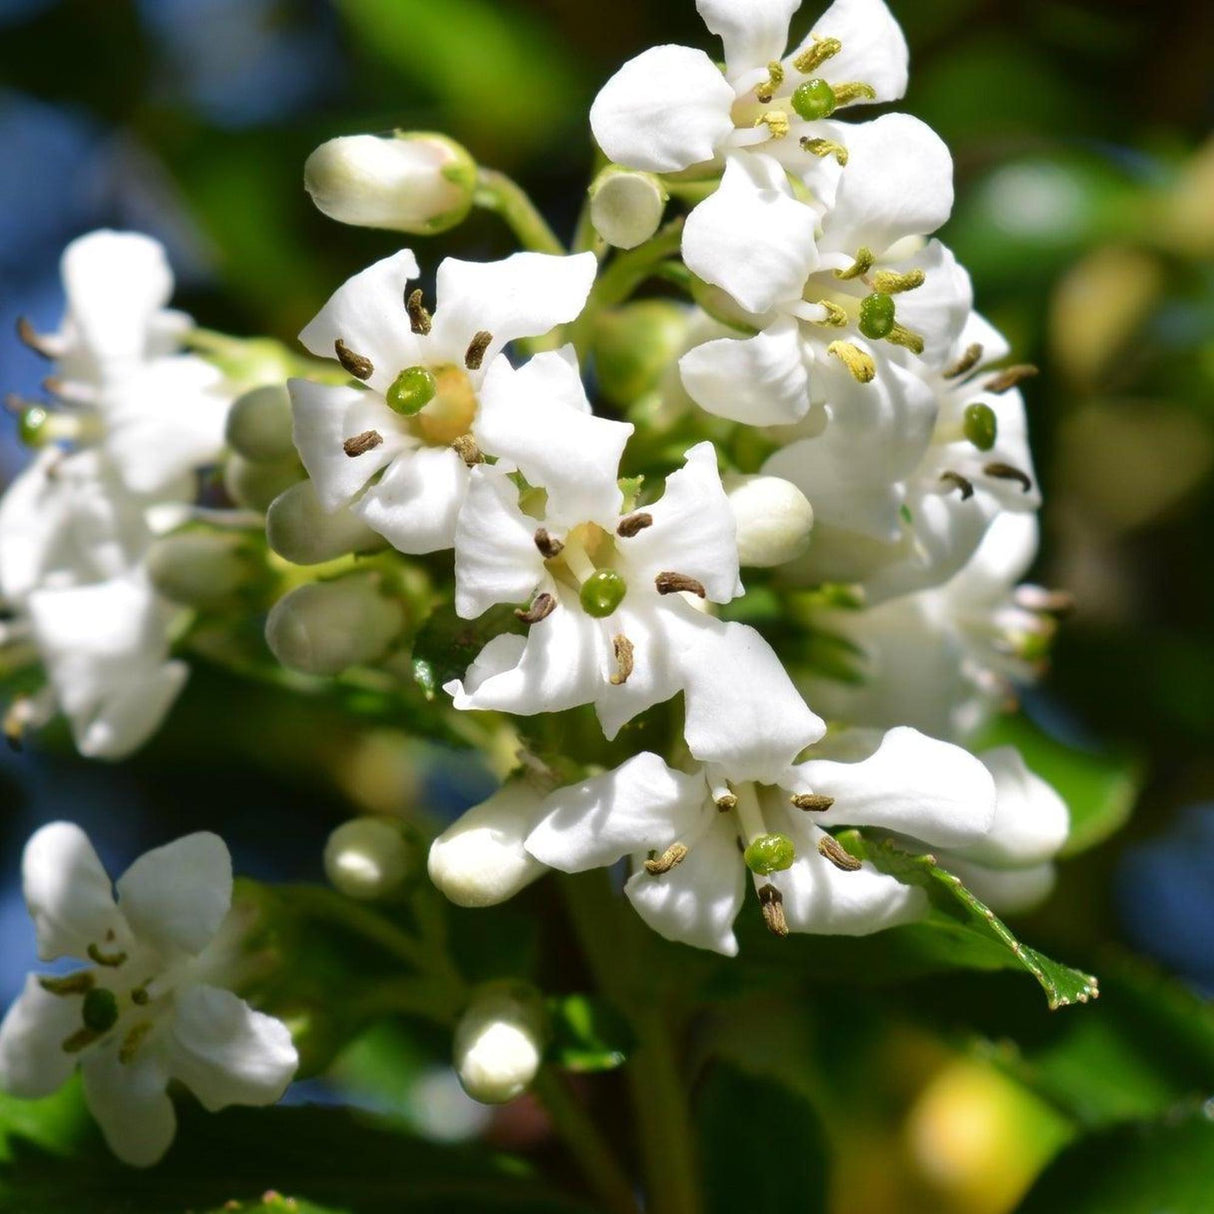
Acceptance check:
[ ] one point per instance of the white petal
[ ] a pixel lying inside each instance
(694, 531)
(665, 110)
(754, 31)
(416, 503)
(912, 784)
(979, 331)
(640, 805)
(324, 416)
(176, 896)
(538, 418)
(1007, 891)
(939, 309)
(130, 1104)
(131, 714)
(496, 560)
(226, 1053)
(1005, 555)
(368, 314)
(874, 48)
(759, 381)
(33, 1062)
(752, 238)
(653, 627)
(68, 893)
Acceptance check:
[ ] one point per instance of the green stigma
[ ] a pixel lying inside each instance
(602, 592)
(770, 854)
(33, 422)
(411, 391)
(877, 313)
(814, 99)
(981, 426)
(100, 1010)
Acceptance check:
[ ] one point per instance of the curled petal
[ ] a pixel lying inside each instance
(416, 503)
(874, 47)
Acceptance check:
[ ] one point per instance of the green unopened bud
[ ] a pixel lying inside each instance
(981, 426)
(626, 206)
(774, 519)
(499, 1042)
(324, 628)
(411, 391)
(814, 99)
(99, 1010)
(877, 315)
(256, 485)
(770, 854)
(635, 346)
(367, 858)
(207, 569)
(602, 592)
(414, 182)
(259, 425)
(301, 531)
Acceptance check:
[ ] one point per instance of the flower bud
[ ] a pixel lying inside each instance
(259, 425)
(635, 345)
(255, 486)
(206, 569)
(775, 520)
(413, 182)
(300, 530)
(367, 858)
(325, 627)
(626, 207)
(480, 859)
(499, 1042)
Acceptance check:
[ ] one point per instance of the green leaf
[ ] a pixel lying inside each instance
(446, 645)
(588, 1034)
(1161, 1167)
(958, 912)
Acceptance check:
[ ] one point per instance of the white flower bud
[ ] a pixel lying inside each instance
(480, 859)
(775, 520)
(259, 425)
(256, 485)
(325, 627)
(206, 569)
(367, 858)
(499, 1042)
(626, 207)
(300, 530)
(413, 181)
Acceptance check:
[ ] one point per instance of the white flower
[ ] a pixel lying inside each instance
(672, 108)
(399, 449)
(693, 837)
(146, 1011)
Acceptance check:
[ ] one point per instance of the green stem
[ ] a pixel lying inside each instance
(322, 903)
(497, 192)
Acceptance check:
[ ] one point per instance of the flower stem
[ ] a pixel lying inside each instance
(322, 903)
(497, 192)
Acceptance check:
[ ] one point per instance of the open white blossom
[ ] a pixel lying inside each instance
(151, 1006)
(398, 451)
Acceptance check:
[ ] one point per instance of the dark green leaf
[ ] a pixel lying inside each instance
(588, 1034)
(447, 645)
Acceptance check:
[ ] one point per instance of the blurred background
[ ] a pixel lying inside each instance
(1082, 135)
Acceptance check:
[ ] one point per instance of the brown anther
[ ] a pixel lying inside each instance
(679, 583)
(634, 524)
(465, 447)
(727, 802)
(1041, 600)
(475, 354)
(54, 385)
(659, 866)
(81, 1039)
(420, 320)
(140, 996)
(549, 546)
(355, 364)
(541, 608)
(29, 338)
(360, 444)
(1005, 381)
(812, 802)
(966, 363)
(16, 404)
(957, 481)
(109, 960)
(772, 903)
(79, 983)
(625, 665)
(132, 1041)
(831, 849)
(1005, 472)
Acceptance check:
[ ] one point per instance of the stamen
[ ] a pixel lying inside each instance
(726, 802)
(1005, 381)
(31, 339)
(465, 447)
(109, 960)
(81, 1039)
(140, 996)
(772, 903)
(679, 583)
(634, 524)
(966, 363)
(766, 91)
(132, 1041)
(475, 355)
(360, 444)
(854, 90)
(836, 316)
(550, 547)
(355, 364)
(71, 984)
(861, 365)
(673, 856)
(813, 57)
(899, 335)
(826, 147)
(420, 321)
(831, 849)
(1038, 599)
(957, 481)
(812, 802)
(541, 608)
(625, 665)
(861, 266)
(890, 283)
(1005, 472)
(776, 121)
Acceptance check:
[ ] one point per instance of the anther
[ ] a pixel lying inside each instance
(465, 447)
(767, 90)
(541, 608)
(899, 335)
(836, 316)
(550, 547)
(772, 903)
(861, 365)
(673, 856)
(861, 266)
(831, 849)
(420, 321)
(81, 1039)
(1040, 600)
(812, 802)
(634, 524)
(475, 354)
(890, 283)
(132, 1041)
(1005, 381)
(71, 984)
(679, 583)
(956, 481)
(776, 121)
(1005, 472)
(813, 57)
(360, 444)
(624, 651)
(726, 802)
(109, 960)
(854, 90)
(826, 147)
(140, 996)
(29, 338)
(355, 364)
(966, 363)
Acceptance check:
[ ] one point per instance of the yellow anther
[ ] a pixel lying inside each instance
(861, 365)
(776, 121)
(889, 283)
(899, 335)
(860, 267)
(845, 94)
(812, 58)
(836, 317)
(826, 147)
(767, 90)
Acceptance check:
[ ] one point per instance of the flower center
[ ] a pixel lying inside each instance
(441, 402)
